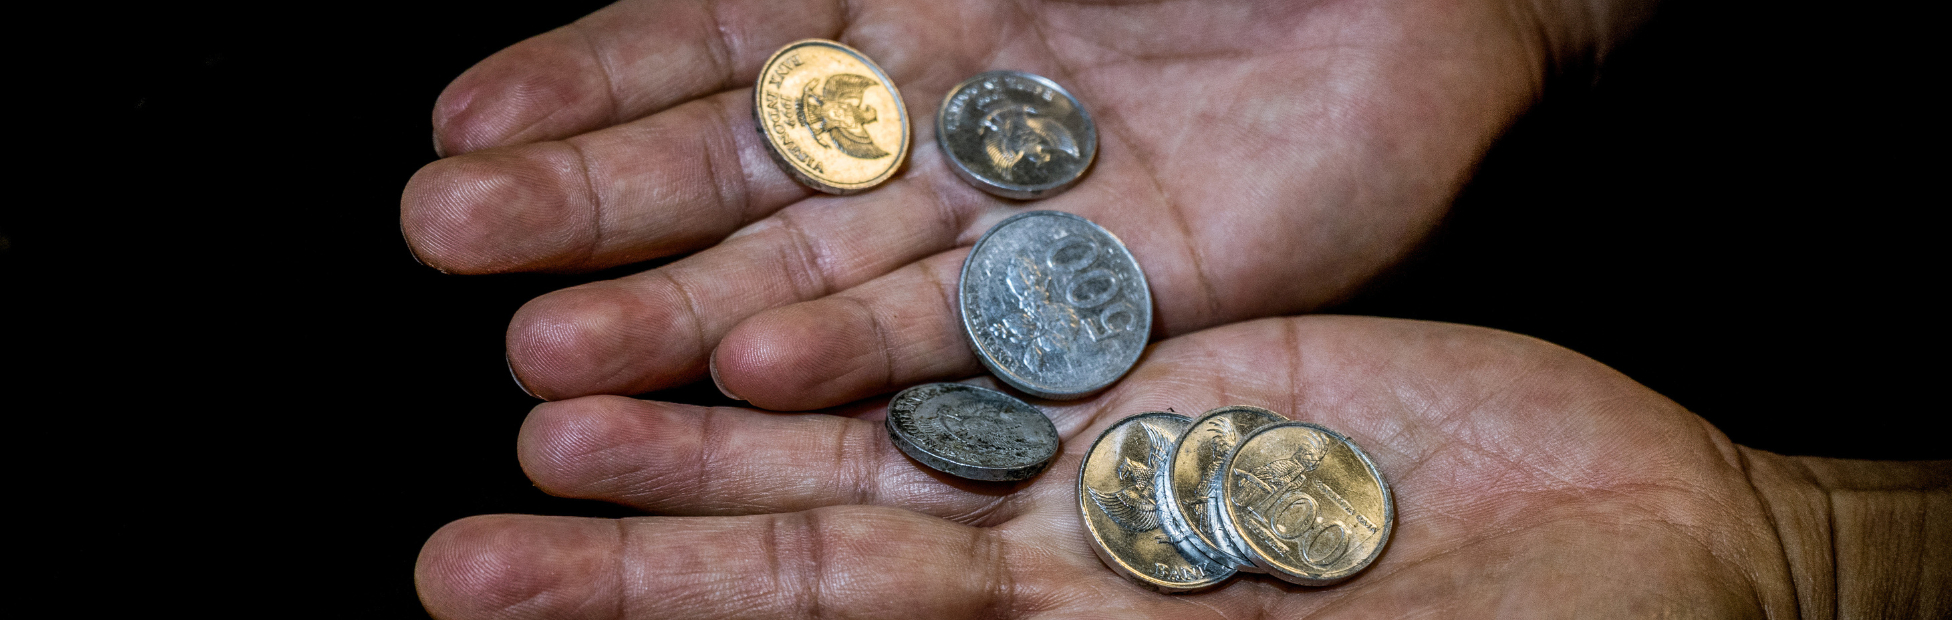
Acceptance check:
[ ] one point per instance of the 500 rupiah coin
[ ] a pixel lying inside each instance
(1308, 504)
(1015, 134)
(830, 116)
(1117, 502)
(971, 432)
(1054, 305)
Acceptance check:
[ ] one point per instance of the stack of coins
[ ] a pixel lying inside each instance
(1178, 505)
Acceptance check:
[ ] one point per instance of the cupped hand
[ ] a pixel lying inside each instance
(1258, 158)
(1528, 480)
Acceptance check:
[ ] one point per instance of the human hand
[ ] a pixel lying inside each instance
(1258, 159)
(1529, 481)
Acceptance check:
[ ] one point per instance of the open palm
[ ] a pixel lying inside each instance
(1258, 157)
(1529, 480)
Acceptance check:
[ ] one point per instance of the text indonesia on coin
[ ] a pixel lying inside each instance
(830, 116)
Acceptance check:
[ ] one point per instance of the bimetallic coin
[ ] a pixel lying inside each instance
(1116, 501)
(1190, 497)
(1054, 305)
(971, 432)
(1308, 504)
(1015, 134)
(830, 116)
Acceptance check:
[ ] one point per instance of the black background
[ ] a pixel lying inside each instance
(227, 367)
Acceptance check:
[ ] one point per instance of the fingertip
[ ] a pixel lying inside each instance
(490, 565)
(493, 212)
(712, 365)
(803, 356)
(579, 447)
(603, 338)
(513, 97)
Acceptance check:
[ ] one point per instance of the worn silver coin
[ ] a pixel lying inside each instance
(1054, 305)
(971, 432)
(1189, 495)
(1117, 503)
(1309, 506)
(1016, 134)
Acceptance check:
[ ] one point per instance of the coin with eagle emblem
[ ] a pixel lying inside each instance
(971, 432)
(1118, 502)
(1015, 134)
(830, 116)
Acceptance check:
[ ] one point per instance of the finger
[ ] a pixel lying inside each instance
(676, 181)
(656, 329)
(894, 331)
(857, 562)
(681, 459)
(619, 63)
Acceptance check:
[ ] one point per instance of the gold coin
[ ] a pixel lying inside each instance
(1308, 504)
(1191, 496)
(830, 116)
(1117, 501)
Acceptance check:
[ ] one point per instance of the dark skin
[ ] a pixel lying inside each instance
(1258, 159)
(1529, 481)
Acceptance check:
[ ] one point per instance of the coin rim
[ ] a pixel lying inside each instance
(1098, 546)
(1169, 496)
(962, 312)
(917, 451)
(1285, 573)
(804, 176)
(1013, 190)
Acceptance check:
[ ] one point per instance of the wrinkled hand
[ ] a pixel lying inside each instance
(1258, 158)
(1529, 480)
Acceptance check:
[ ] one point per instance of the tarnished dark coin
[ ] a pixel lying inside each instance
(1117, 501)
(1054, 305)
(830, 116)
(1191, 499)
(971, 432)
(1015, 134)
(1309, 505)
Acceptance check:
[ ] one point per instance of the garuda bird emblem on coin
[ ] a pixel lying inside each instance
(1132, 506)
(837, 116)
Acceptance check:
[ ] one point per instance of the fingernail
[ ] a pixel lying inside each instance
(712, 365)
(518, 378)
(438, 151)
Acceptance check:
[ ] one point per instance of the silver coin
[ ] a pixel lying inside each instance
(1054, 305)
(1116, 502)
(1190, 498)
(1015, 134)
(971, 432)
(1309, 506)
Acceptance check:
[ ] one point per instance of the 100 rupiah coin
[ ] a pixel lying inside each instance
(1310, 507)
(1016, 134)
(1116, 500)
(1054, 305)
(1191, 498)
(830, 117)
(971, 432)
